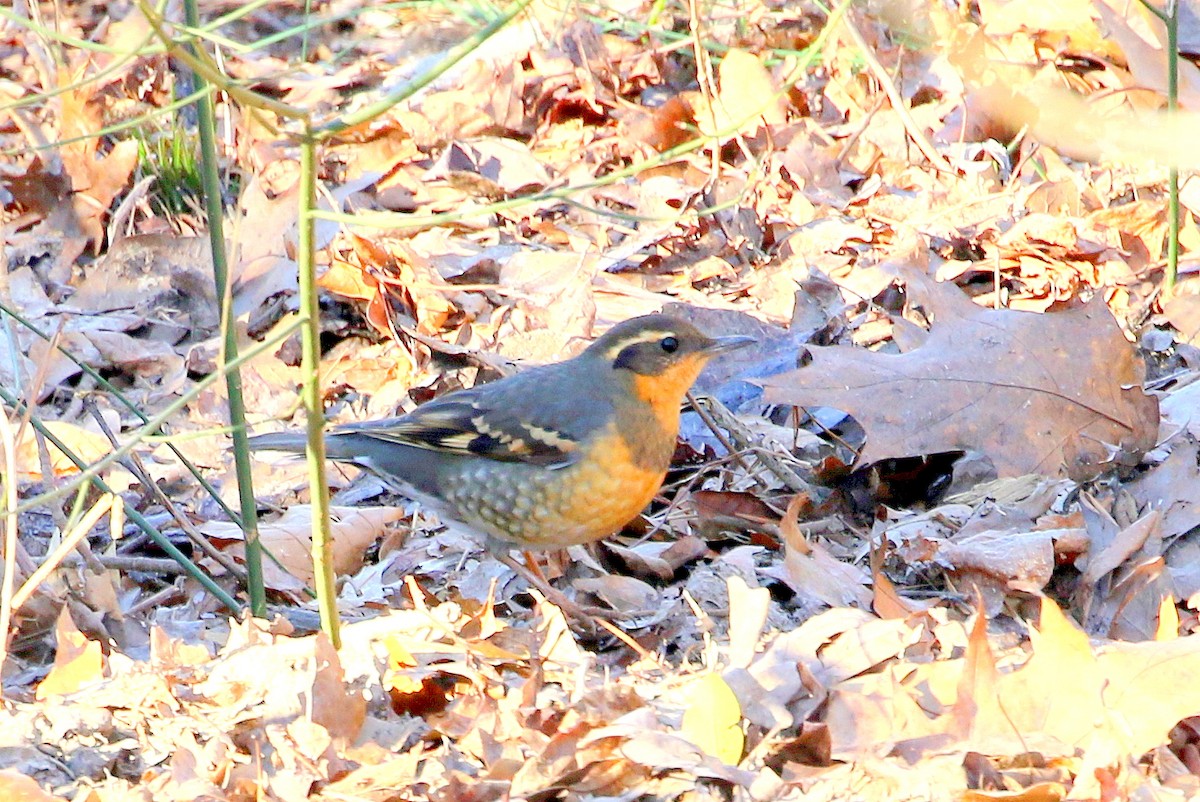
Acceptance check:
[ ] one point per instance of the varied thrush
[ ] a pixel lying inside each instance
(551, 457)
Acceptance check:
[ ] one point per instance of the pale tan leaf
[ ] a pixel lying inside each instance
(16, 787)
(289, 539)
(747, 97)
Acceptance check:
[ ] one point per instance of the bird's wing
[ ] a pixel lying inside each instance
(487, 421)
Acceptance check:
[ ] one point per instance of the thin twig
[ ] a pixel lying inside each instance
(9, 500)
(69, 542)
(898, 104)
(133, 463)
(147, 565)
(738, 432)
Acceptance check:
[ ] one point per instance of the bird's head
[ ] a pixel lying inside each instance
(659, 356)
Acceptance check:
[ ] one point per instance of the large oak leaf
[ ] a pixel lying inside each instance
(1036, 393)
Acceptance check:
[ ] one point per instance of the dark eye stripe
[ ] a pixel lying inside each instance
(637, 338)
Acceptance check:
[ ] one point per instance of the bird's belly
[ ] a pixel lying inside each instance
(535, 508)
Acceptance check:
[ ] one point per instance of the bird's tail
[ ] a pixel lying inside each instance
(340, 447)
(291, 442)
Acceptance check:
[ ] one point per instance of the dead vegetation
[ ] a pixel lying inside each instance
(934, 537)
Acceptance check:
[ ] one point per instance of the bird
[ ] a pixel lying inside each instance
(554, 456)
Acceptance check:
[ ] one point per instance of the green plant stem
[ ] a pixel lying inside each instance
(156, 422)
(455, 54)
(126, 125)
(108, 387)
(310, 393)
(1173, 173)
(203, 67)
(656, 11)
(138, 519)
(1170, 20)
(215, 209)
(304, 36)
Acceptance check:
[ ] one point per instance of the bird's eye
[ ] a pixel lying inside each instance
(669, 344)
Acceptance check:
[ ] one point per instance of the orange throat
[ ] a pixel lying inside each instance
(663, 394)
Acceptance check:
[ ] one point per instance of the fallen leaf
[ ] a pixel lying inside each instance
(976, 701)
(997, 561)
(87, 445)
(282, 678)
(78, 661)
(1034, 393)
(747, 97)
(1120, 699)
(749, 607)
(16, 787)
(289, 540)
(1172, 488)
(809, 568)
(493, 167)
(713, 718)
(1038, 792)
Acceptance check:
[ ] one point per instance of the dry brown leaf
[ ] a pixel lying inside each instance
(749, 608)
(809, 569)
(747, 97)
(95, 179)
(167, 652)
(1103, 561)
(136, 356)
(664, 751)
(282, 678)
(1120, 700)
(643, 560)
(349, 281)
(166, 281)
(859, 649)
(1038, 792)
(623, 593)
(1034, 393)
(1071, 23)
(1173, 488)
(289, 539)
(1183, 312)
(1143, 41)
(492, 167)
(16, 787)
(1140, 225)
(976, 698)
(382, 371)
(995, 562)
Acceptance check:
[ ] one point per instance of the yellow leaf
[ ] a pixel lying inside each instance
(1168, 619)
(88, 446)
(77, 661)
(398, 656)
(746, 99)
(713, 719)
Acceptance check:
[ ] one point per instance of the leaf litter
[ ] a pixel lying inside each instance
(940, 544)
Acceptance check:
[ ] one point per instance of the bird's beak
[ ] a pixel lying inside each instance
(722, 345)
